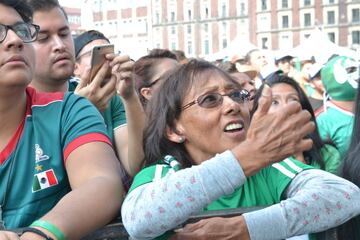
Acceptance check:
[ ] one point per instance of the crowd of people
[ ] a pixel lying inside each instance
(165, 137)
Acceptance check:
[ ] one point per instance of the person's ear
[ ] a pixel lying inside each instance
(146, 92)
(175, 134)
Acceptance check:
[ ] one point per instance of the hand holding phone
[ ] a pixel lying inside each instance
(98, 58)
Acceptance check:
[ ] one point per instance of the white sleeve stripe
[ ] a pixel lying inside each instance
(283, 170)
(293, 165)
(158, 172)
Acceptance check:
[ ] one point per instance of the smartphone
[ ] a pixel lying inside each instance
(98, 54)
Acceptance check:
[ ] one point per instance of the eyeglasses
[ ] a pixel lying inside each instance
(211, 100)
(27, 32)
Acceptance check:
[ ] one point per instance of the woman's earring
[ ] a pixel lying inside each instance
(181, 139)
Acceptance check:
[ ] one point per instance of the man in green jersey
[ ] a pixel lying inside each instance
(55, 62)
(58, 172)
(335, 119)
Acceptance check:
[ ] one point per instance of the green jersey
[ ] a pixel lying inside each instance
(114, 115)
(335, 124)
(32, 166)
(265, 188)
(331, 157)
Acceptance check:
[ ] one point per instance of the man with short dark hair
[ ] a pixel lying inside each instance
(59, 176)
(55, 64)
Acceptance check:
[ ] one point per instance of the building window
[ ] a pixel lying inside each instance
(173, 46)
(331, 1)
(223, 10)
(172, 16)
(224, 28)
(173, 30)
(157, 16)
(284, 4)
(285, 21)
(263, 5)
(355, 37)
(206, 27)
(189, 29)
(224, 43)
(307, 2)
(242, 9)
(206, 47)
(355, 15)
(307, 35)
(331, 36)
(189, 14)
(206, 12)
(307, 19)
(264, 43)
(331, 17)
(189, 47)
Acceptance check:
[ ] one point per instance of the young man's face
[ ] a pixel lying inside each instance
(54, 48)
(16, 57)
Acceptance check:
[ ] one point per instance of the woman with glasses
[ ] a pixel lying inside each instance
(202, 153)
(59, 176)
(285, 90)
(149, 72)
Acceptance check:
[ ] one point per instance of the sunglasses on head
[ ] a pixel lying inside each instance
(211, 100)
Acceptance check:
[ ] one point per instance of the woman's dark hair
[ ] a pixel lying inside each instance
(21, 7)
(314, 154)
(350, 170)
(144, 69)
(165, 108)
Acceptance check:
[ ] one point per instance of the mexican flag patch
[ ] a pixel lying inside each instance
(44, 180)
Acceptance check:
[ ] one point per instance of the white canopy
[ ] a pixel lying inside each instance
(321, 48)
(240, 46)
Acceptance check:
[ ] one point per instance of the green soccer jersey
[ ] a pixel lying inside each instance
(32, 172)
(331, 157)
(264, 188)
(114, 114)
(336, 124)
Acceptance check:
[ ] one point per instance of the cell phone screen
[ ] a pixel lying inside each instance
(98, 59)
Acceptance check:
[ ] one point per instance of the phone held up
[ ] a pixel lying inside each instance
(98, 54)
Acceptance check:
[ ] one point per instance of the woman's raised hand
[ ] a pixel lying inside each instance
(272, 137)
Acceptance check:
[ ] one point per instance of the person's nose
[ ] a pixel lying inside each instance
(230, 106)
(13, 41)
(59, 45)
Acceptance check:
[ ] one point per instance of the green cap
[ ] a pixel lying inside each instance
(340, 77)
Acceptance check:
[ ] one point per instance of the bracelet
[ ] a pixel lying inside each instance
(50, 227)
(36, 231)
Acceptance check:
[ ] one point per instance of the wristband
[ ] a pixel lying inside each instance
(50, 227)
(36, 231)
